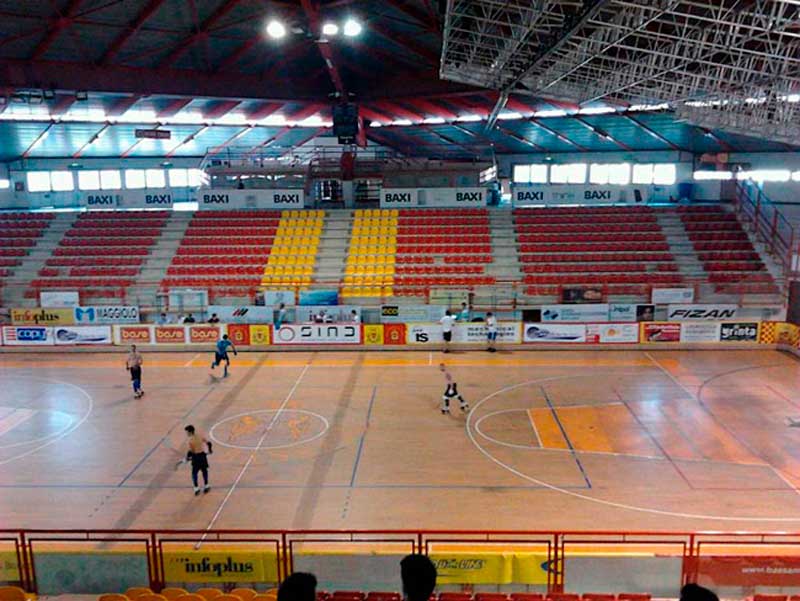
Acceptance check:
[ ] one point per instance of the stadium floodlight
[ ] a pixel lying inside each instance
(352, 28)
(276, 29)
(330, 29)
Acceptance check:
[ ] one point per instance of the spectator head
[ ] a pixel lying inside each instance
(163, 316)
(353, 311)
(419, 577)
(299, 586)
(447, 312)
(133, 348)
(489, 314)
(463, 305)
(282, 306)
(213, 315)
(189, 430)
(695, 592)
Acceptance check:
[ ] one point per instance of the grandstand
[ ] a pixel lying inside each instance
(579, 218)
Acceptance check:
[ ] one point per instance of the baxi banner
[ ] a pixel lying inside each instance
(452, 197)
(576, 194)
(399, 198)
(223, 199)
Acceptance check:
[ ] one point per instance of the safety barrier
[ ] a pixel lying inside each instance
(93, 561)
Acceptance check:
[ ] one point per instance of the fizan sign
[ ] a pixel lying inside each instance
(223, 199)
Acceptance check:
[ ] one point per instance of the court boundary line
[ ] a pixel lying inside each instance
(566, 436)
(533, 427)
(363, 436)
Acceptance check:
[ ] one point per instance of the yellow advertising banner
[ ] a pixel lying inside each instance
(43, 317)
(9, 570)
(490, 568)
(373, 334)
(220, 566)
(260, 335)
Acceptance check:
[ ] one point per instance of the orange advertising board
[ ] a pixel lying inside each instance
(204, 334)
(135, 335)
(170, 335)
(394, 333)
(239, 333)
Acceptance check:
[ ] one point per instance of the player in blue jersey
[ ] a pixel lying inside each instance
(221, 354)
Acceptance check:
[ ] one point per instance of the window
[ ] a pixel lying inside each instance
(110, 180)
(88, 180)
(530, 174)
(612, 173)
(134, 179)
(178, 178)
(664, 174)
(706, 175)
(766, 175)
(5, 184)
(570, 173)
(38, 181)
(643, 174)
(62, 181)
(598, 174)
(155, 178)
(197, 178)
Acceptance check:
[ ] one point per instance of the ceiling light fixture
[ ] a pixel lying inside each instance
(276, 29)
(330, 29)
(352, 28)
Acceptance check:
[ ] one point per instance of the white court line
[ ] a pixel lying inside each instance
(671, 377)
(192, 360)
(14, 419)
(252, 456)
(535, 429)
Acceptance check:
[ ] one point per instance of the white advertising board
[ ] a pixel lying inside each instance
(27, 336)
(224, 199)
(273, 298)
(667, 296)
(575, 313)
(620, 312)
(702, 312)
(411, 313)
(700, 331)
(575, 194)
(554, 333)
(612, 333)
(317, 334)
(107, 314)
(399, 198)
(474, 332)
(242, 314)
(50, 300)
(73, 335)
(452, 197)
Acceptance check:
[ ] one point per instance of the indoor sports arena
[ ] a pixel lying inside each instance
(400, 300)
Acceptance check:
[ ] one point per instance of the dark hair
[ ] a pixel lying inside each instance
(419, 577)
(300, 586)
(488, 313)
(447, 312)
(189, 429)
(225, 337)
(695, 592)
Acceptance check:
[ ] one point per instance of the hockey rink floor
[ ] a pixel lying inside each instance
(572, 440)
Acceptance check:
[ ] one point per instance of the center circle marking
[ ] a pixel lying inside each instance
(268, 429)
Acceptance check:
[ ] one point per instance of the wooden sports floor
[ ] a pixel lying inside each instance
(625, 440)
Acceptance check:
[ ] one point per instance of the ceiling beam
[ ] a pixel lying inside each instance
(62, 104)
(97, 135)
(60, 23)
(201, 33)
(133, 27)
(265, 110)
(221, 108)
(381, 139)
(433, 110)
(122, 105)
(311, 9)
(304, 112)
(174, 107)
(370, 113)
(651, 132)
(39, 139)
(488, 140)
(601, 132)
(219, 148)
(557, 134)
(407, 9)
(398, 111)
(233, 58)
(303, 140)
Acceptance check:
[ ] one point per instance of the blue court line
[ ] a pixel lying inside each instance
(566, 438)
(163, 438)
(361, 440)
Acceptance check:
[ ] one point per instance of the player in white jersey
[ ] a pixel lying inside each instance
(448, 321)
(450, 392)
(491, 331)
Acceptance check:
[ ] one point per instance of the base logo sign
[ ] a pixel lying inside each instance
(170, 335)
(554, 333)
(739, 332)
(204, 334)
(659, 331)
(135, 335)
(27, 335)
(318, 334)
(72, 335)
(575, 313)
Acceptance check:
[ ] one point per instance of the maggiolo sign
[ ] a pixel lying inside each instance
(317, 334)
(224, 199)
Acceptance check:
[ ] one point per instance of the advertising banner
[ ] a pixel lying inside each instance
(394, 333)
(260, 335)
(319, 297)
(225, 199)
(27, 335)
(772, 332)
(554, 333)
(145, 199)
(739, 332)
(106, 315)
(748, 571)
(452, 197)
(373, 334)
(668, 296)
(273, 298)
(412, 313)
(42, 317)
(575, 313)
(134, 335)
(72, 335)
(318, 334)
(700, 332)
(239, 334)
(575, 194)
(99, 200)
(203, 334)
(581, 294)
(619, 313)
(58, 299)
(220, 566)
(423, 333)
(399, 198)
(508, 332)
(242, 314)
(701, 312)
(660, 331)
(612, 333)
(170, 335)
(327, 313)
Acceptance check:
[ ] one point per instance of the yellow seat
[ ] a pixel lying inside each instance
(136, 591)
(151, 597)
(172, 593)
(245, 594)
(108, 597)
(209, 593)
(227, 597)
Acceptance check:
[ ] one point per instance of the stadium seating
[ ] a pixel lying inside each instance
(246, 594)
(371, 261)
(19, 233)
(101, 254)
(294, 250)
